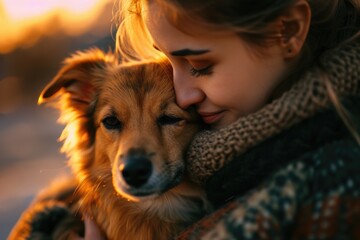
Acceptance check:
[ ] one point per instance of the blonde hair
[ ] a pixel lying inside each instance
(333, 22)
(133, 41)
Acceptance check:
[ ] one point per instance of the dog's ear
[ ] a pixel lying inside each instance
(74, 92)
(79, 77)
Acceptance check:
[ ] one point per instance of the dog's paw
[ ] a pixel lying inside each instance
(47, 216)
(49, 220)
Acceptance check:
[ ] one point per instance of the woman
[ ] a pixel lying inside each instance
(271, 78)
(278, 83)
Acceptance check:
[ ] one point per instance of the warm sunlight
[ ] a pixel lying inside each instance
(25, 9)
(24, 21)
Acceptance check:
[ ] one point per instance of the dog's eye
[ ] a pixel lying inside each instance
(168, 120)
(111, 123)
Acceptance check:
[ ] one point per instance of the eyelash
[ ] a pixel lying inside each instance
(201, 72)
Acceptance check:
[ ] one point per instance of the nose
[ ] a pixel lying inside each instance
(137, 168)
(187, 90)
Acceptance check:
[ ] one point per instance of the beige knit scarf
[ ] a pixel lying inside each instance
(211, 150)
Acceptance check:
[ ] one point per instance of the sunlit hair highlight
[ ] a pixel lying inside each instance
(133, 41)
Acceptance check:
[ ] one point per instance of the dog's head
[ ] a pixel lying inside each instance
(123, 126)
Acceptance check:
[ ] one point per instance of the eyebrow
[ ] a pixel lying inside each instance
(187, 52)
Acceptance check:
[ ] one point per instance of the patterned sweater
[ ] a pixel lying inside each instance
(291, 170)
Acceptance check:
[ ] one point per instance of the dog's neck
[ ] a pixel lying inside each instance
(154, 218)
(181, 203)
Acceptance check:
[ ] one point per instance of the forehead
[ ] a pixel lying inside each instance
(165, 34)
(169, 37)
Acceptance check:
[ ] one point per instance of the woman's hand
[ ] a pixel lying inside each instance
(92, 232)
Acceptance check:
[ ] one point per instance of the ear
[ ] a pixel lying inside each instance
(294, 27)
(78, 78)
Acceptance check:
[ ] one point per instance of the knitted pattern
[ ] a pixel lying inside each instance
(250, 169)
(211, 150)
(316, 197)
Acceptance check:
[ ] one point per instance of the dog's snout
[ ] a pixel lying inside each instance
(137, 168)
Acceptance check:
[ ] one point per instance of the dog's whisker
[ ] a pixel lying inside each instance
(53, 169)
(76, 190)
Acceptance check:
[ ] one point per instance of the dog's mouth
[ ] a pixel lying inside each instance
(156, 185)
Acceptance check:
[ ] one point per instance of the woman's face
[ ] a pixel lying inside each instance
(218, 74)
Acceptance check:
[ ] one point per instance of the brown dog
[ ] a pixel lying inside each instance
(126, 138)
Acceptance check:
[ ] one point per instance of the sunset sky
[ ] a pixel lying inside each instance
(23, 22)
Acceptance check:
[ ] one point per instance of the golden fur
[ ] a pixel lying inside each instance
(112, 111)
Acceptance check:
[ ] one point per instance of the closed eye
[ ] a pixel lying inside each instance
(169, 120)
(201, 72)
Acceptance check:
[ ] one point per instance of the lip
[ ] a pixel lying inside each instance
(211, 117)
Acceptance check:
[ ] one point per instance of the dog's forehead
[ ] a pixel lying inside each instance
(142, 78)
(138, 84)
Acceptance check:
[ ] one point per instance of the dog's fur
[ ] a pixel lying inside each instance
(117, 115)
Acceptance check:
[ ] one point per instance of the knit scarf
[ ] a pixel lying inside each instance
(337, 71)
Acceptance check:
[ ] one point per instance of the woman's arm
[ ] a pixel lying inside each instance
(313, 197)
(262, 214)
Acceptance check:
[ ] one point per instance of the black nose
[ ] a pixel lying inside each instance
(137, 168)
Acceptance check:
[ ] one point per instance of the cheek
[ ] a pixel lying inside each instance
(106, 146)
(224, 88)
(177, 139)
(243, 88)
(236, 94)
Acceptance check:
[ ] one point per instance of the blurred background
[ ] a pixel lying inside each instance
(35, 37)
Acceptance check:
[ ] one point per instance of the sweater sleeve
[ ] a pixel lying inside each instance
(264, 213)
(314, 197)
